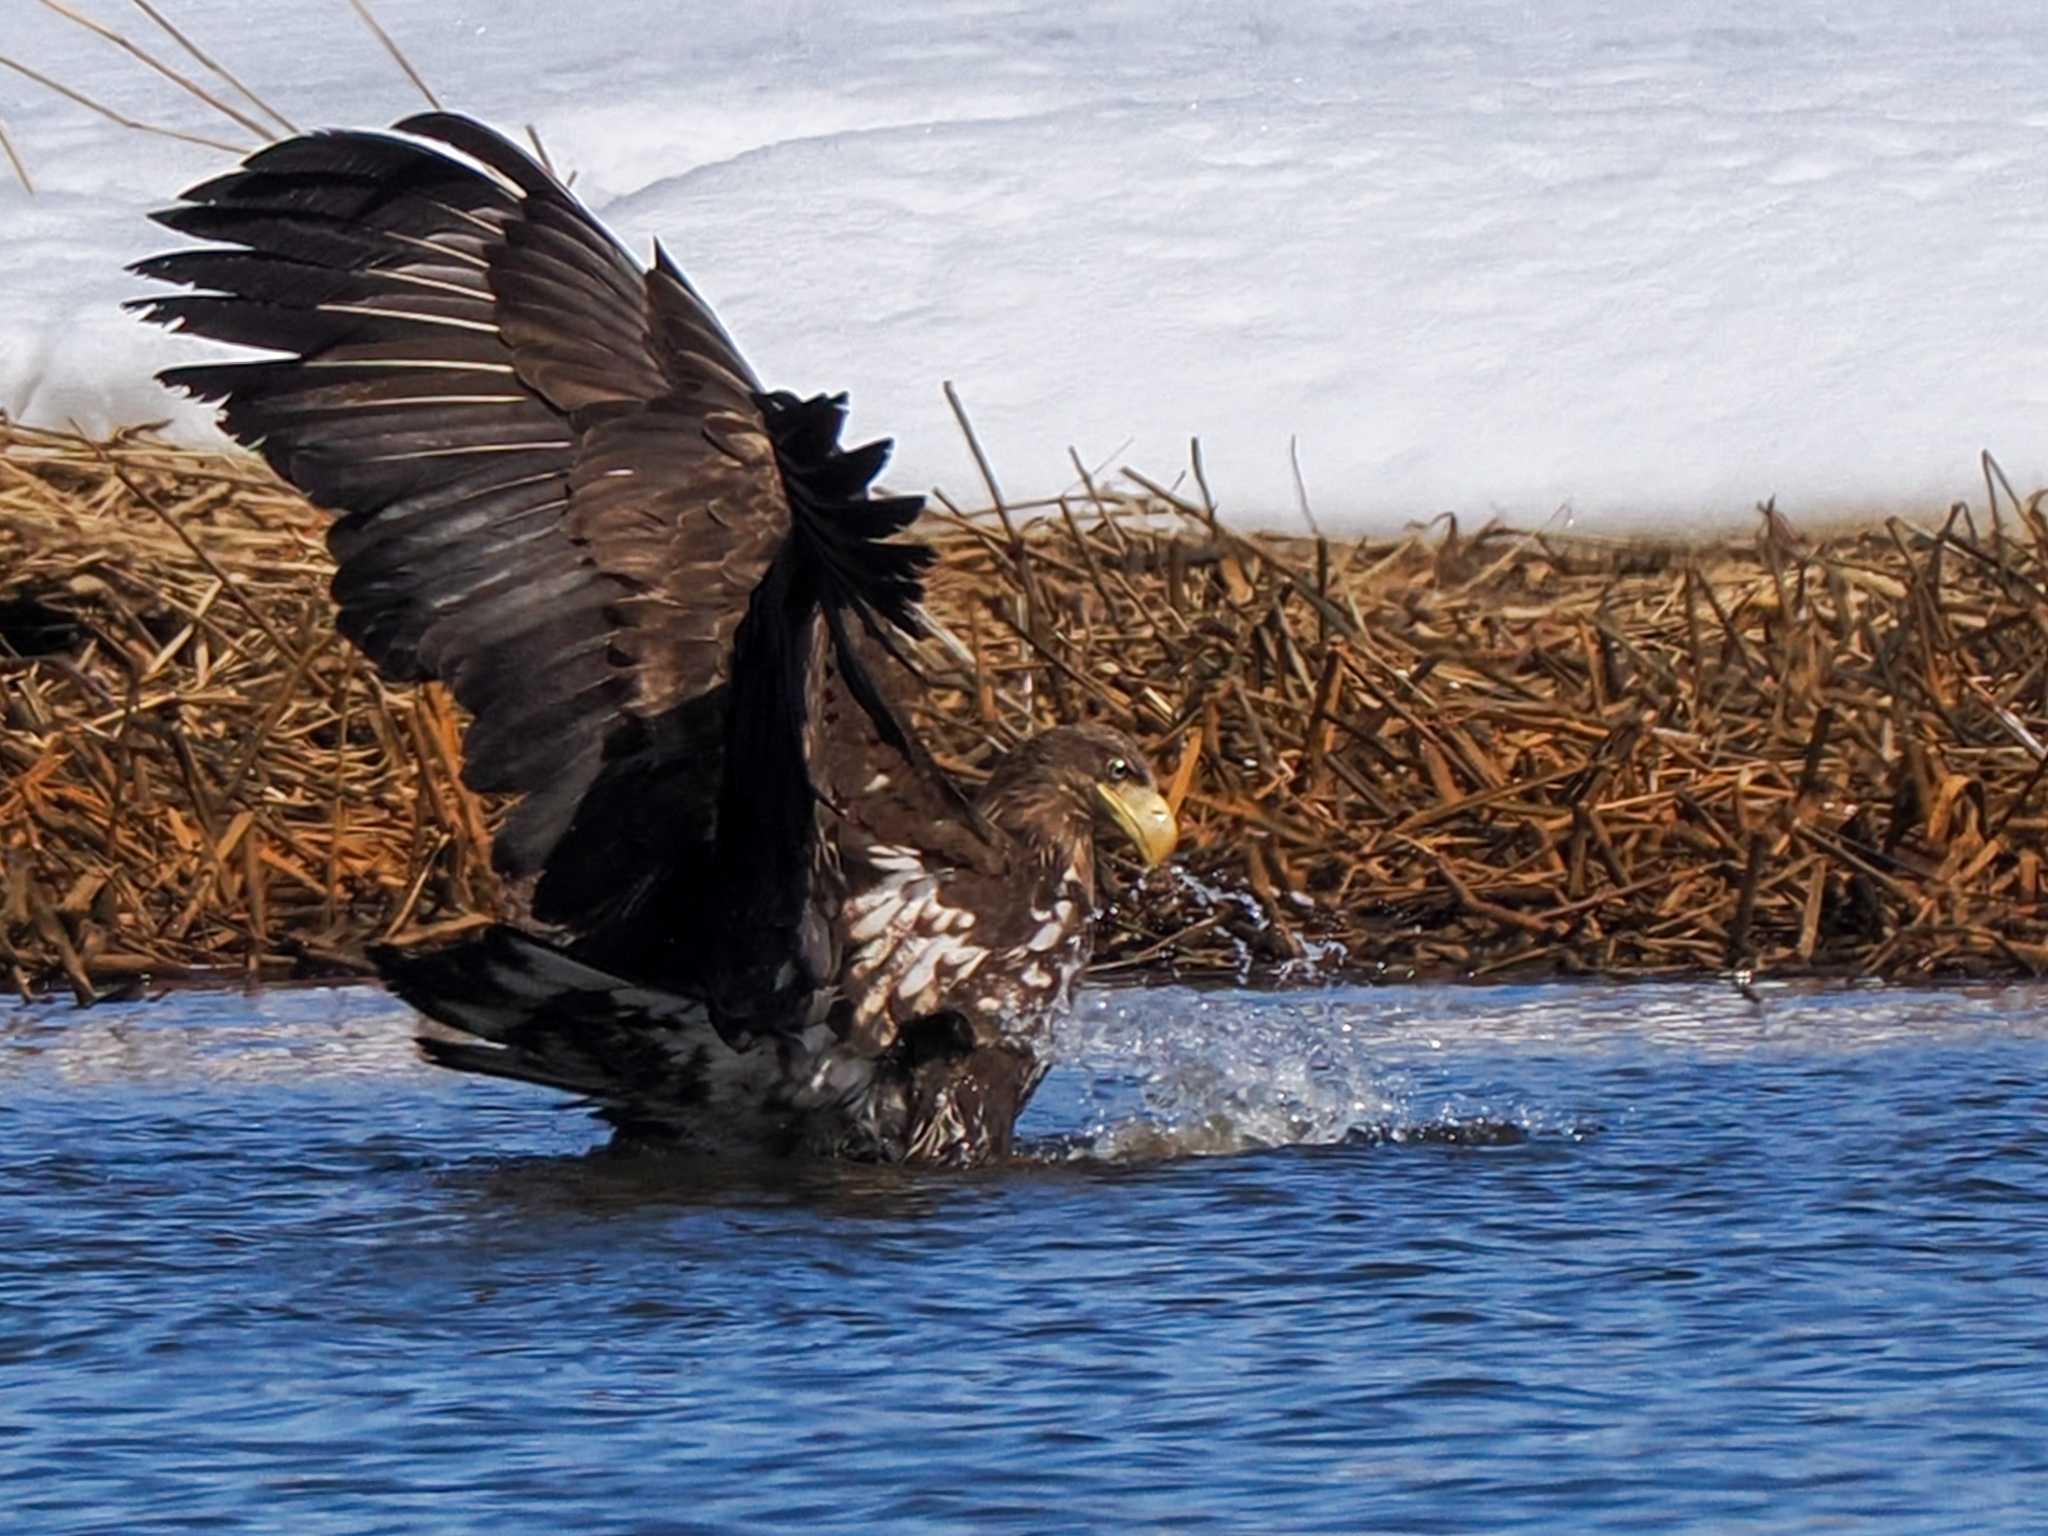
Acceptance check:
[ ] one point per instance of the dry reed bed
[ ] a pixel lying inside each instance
(203, 776)
(1515, 754)
(1499, 754)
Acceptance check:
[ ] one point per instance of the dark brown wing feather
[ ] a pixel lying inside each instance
(876, 784)
(557, 489)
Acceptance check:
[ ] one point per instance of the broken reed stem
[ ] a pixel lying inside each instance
(540, 150)
(14, 159)
(981, 463)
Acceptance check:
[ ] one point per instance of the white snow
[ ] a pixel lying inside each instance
(1651, 261)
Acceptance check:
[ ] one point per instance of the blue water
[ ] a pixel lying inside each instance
(1537, 1259)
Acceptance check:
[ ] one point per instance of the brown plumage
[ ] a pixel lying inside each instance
(679, 620)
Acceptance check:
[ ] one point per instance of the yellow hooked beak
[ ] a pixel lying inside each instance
(1143, 815)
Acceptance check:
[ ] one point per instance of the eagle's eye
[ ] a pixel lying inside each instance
(1119, 770)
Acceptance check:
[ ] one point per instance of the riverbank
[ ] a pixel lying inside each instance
(1454, 752)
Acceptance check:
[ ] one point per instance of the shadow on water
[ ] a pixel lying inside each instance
(631, 1182)
(615, 1179)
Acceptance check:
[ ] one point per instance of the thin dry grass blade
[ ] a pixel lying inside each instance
(112, 116)
(220, 71)
(183, 82)
(362, 9)
(540, 150)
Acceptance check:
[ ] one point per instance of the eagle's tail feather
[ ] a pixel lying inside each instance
(537, 1014)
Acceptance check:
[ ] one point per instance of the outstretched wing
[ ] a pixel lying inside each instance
(564, 493)
(558, 485)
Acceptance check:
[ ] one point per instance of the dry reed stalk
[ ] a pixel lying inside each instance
(1486, 754)
(14, 159)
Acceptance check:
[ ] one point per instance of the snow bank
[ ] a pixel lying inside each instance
(1648, 262)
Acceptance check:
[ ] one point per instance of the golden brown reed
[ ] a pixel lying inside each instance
(1516, 753)
(199, 775)
(1434, 754)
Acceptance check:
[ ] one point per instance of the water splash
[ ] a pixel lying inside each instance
(1157, 1072)
(1241, 915)
(1176, 1071)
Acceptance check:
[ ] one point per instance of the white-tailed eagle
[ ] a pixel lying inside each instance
(758, 910)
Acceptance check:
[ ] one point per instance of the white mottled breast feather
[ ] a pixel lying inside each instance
(909, 952)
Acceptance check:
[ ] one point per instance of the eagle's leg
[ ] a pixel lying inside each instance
(965, 1101)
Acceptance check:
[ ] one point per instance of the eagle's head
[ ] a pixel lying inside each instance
(1066, 782)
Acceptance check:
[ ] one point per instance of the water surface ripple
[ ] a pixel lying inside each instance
(1525, 1259)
